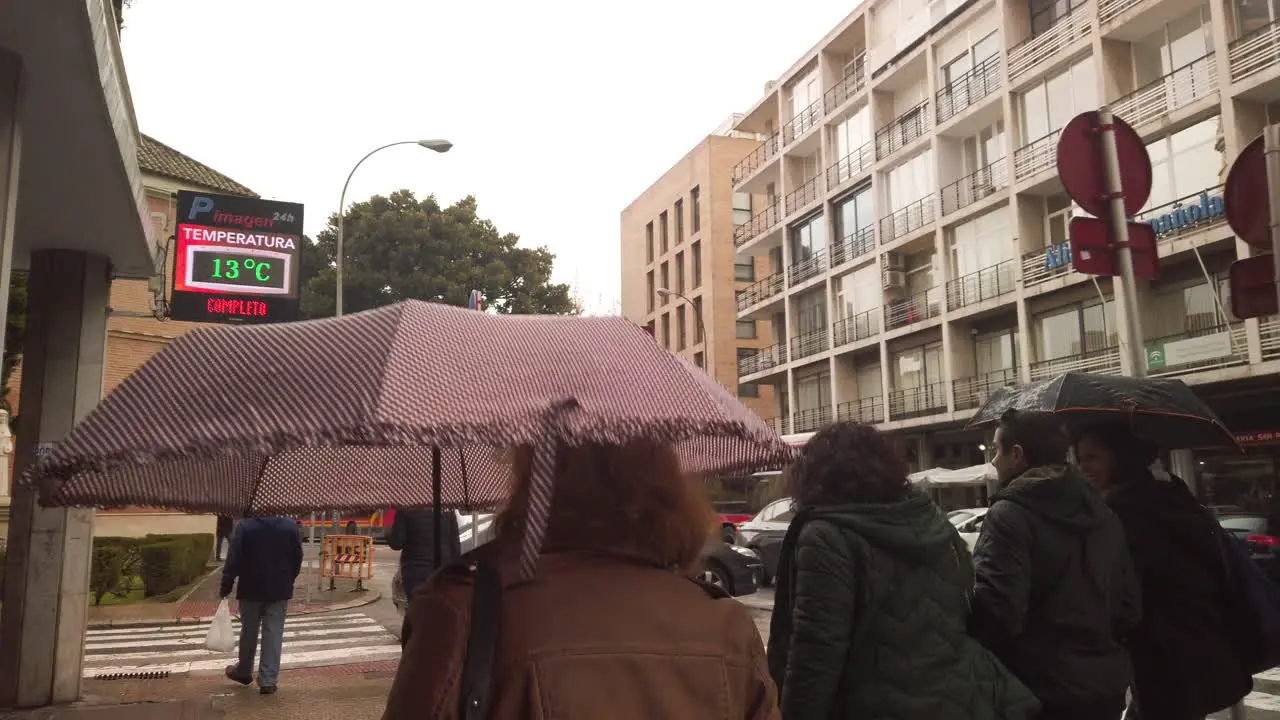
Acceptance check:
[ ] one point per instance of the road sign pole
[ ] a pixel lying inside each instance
(1271, 138)
(1131, 340)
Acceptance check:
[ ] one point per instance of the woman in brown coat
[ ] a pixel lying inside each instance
(613, 626)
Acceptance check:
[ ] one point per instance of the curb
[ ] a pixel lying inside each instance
(369, 599)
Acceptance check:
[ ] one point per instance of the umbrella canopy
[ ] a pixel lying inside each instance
(343, 412)
(1163, 410)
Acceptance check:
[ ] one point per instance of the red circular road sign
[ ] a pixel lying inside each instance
(1082, 172)
(1246, 197)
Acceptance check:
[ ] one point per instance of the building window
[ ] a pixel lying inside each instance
(808, 238)
(679, 210)
(666, 330)
(746, 329)
(853, 213)
(681, 335)
(995, 352)
(697, 320)
(744, 269)
(811, 312)
(695, 209)
(664, 278)
(813, 392)
(981, 243)
(648, 242)
(1185, 163)
(1076, 330)
(748, 390)
(663, 238)
(741, 208)
(912, 181)
(696, 259)
(680, 272)
(1046, 13)
(1050, 104)
(649, 289)
(700, 360)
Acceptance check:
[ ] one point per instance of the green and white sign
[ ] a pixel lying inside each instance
(1189, 351)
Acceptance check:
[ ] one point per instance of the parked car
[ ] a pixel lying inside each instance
(969, 523)
(1259, 536)
(735, 569)
(763, 534)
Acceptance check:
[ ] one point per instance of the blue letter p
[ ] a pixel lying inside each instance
(200, 205)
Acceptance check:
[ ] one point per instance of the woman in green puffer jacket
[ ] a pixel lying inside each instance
(872, 597)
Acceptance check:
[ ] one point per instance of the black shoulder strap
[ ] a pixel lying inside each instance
(477, 672)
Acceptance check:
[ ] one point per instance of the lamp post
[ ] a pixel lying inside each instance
(440, 146)
(697, 316)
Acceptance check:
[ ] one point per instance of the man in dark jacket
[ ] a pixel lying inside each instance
(265, 556)
(413, 533)
(1054, 591)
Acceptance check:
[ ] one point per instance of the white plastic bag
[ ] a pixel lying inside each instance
(221, 638)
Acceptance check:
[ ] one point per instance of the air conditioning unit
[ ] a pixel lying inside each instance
(892, 279)
(893, 261)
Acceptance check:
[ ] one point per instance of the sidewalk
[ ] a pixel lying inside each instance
(202, 602)
(343, 692)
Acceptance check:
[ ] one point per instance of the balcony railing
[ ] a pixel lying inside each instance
(808, 268)
(854, 80)
(918, 401)
(985, 284)
(766, 359)
(969, 88)
(1109, 10)
(907, 220)
(758, 157)
(801, 196)
(857, 327)
(1036, 156)
(1187, 215)
(977, 185)
(1030, 53)
(1105, 361)
(904, 130)
(1194, 81)
(851, 166)
(803, 122)
(760, 223)
(915, 309)
(1254, 51)
(1208, 348)
(1269, 332)
(971, 392)
(1039, 266)
(854, 246)
(809, 343)
(865, 410)
(780, 425)
(812, 419)
(760, 290)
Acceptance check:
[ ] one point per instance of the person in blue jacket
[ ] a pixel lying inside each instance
(265, 556)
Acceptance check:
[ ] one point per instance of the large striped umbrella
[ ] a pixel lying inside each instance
(280, 418)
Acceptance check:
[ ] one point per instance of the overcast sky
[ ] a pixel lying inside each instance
(561, 111)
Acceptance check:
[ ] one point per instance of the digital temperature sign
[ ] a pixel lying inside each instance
(236, 259)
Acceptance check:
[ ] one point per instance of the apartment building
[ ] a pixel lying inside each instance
(915, 230)
(680, 271)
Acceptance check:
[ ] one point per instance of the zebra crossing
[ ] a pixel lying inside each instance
(309, 640)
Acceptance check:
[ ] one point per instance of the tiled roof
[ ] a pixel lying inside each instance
(159, 159)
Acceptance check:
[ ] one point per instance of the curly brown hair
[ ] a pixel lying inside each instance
(632, 499)
(848, 462)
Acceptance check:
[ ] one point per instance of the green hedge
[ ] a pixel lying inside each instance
(164, 562)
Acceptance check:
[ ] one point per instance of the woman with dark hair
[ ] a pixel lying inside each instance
(871, 604)
(613, 626)
(1186, 662)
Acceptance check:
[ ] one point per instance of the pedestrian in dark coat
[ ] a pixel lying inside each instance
(224, 528)
(413, 534)
(871, 605)
(1055, 591)
(1185, 662)
(263, 561)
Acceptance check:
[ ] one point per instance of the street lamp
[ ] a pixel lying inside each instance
(697, 316)
(440, 146)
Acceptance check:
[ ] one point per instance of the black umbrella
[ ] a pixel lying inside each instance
(1162, 410)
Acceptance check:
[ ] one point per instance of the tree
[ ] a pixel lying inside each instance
(14, 333)
(399, 248)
